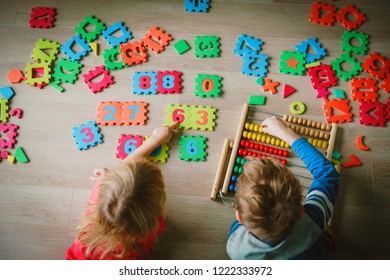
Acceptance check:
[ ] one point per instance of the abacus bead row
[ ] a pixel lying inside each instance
(318, 143)
(306, 122)
(248, 153)
(259, 137)
(309, 131)
(263, 148)
(253, 127)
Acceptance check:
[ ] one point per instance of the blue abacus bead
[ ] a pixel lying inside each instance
(234, 178)
(232, 188)
(235, 189)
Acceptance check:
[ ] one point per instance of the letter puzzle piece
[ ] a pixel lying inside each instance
(87, 135)
(133, 53)
(322, 76)
(160, 154)
(169, 82)
(373, 114)
(247, 45)
(85, 26)
(128, 144)
(156, 39)
(311, 44)
(341, 105)
(196, 5)
(377, 65)
(68, 48)
(208, 85)
(338, 67)
(193, 148)
(42, 17)
(8, 133)
(113, 59)
(292, 63)
(255, 64)
(343, 16)
(322, 13)
(98, 73)
(4, 110)
(207, 46)
(348, 45)
(45, 51)
(117, 27)
(364, 90)
(66, 71)
(38, 73)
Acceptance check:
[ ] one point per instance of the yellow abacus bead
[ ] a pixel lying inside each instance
(254, 136)
(268, 140)
(257, 127)
(258, 139)
(277, 142)
(249, 135)
(263, 138)
(273, 140)
(315, 142)
(247, 125)
(310, 140)
(287, 146)
(328, 127)
(245, 134)
(325, 144)
(251, 127)
(319, 144)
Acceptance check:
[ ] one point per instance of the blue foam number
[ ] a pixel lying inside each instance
(192, 147)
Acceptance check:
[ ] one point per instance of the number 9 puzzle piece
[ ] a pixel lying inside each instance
(87, 135)
(193, 148)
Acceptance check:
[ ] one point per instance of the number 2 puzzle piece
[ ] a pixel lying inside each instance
(207, 46)
(4, 110)
(176, 113)
(247, 45)
(134, 113)
(105, 79)
(169, 82)
(341, 105)
(292, 63)
(322, 13)
(133, 53)
(373, 114)
(128, 144)
(364, 90)
(109, 113)
(255, 64)
(87, 135)
(196, 5)
(9, 131)
(145, 82)
(203, 117)
(156, 39)
(42, 17)
(208, 85)
(193, 148)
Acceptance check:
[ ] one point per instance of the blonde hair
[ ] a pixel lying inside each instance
(268, 199)
(131, 202)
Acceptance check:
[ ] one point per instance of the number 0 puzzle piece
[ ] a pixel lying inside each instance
(208, 85)
(193, 148)
(87, 135)
(160, 154)
(128, 144)
(105, 79)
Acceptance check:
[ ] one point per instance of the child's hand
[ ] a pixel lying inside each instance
(163, 134)
(278, 128)
(99, 175)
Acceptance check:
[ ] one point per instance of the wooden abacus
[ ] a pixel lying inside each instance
(251, 141)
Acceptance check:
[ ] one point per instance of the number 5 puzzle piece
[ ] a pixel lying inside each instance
(178, 113)
(203, 117)
(193, 148)
(87, 135)
(134, 113)
(128, 144)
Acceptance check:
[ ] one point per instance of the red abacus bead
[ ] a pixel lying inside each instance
(285, 153)
(244, 153)
(284, 161)
(247, 144)
(281, 153)
(255, 154)
(261, 148)
(240, 151)
(266, 149)
(252, 145)
(250, 153)
(271, 150)
(242, 143)
(257, 146)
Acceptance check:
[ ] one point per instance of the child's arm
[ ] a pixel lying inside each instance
(159, 136)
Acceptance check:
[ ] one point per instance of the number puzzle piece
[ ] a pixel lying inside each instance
(4, 110)
(113, 59)
(377, 65)
(68, 48)
(192, 148)
(169, 82)
(208, 85)
(134, 113)
(270, 85)
(117, 27)
(87, 135)
(337, 66)
(133, 53)
(109, 113)
(196, 5)
(16, 112)
(9, 132)
(85, 26)
(128, 144)
(292, 63)
(145, 82)
(322, 13)
(160, 154)
(311, 44)
(255, 64)
(352, 36)
(247, 45)
(341, 105)
(66, 71)
(181, 46)
(105, 79)
(203, 117)
(322, 76)
(37, 73)
(156, 39)
(178, 114)
(207, 46)
(373, 114)
(344, 15)
(364, 90)
(45, 51)
(42, 17)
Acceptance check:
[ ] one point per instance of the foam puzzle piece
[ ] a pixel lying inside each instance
(4, 110)
(311, 44)
(352, 36)
(269, 85)
(208, 85)
(377, 65)
(87, 135)
(97, 29)
(105, 79)
(177, 113)
(128, 144)
(288, 90)
(207, 46)
(322, 13)
(20, 155)
(360, 144)
(258, 100)
(66, 71)
(322, 76)
(160, 154)
(341, 105)
(9, 131)
(38, 73)
(42, 17)
(203, 117)
(133, 53)
(169, 82)
(355, 161)
(109, 113)
(338, 93)
(57, 85)
(156, 39)
(255, 64)
(192, 148)
(247, 45)
(313, 64)
(134, 113)
(356, 67)
(297, 107)
(181, 46)
(16, 112)
(260, 81)
(113, 59)
(15, 76)
(364, 90)
(45, 50)
(336, 155)
(386, 84)
(145, 82)
(4, 154)
(68, 48)
(343, 16)
(292, 63)
(199, 6)
(117, 27)
(372, 114)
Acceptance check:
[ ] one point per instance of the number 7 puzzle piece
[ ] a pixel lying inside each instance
(87, 135)
(42, 17)
(134, 113)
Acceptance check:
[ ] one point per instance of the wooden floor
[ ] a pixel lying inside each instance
(41, 202)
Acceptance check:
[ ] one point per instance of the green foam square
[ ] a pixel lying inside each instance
(181, 46)
(257, 100)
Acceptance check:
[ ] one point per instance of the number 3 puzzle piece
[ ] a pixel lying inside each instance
(203, 117)
(87, 135)
(193, 148)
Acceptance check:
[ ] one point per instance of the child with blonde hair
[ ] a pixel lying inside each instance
(272, 222)
(125, 212)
